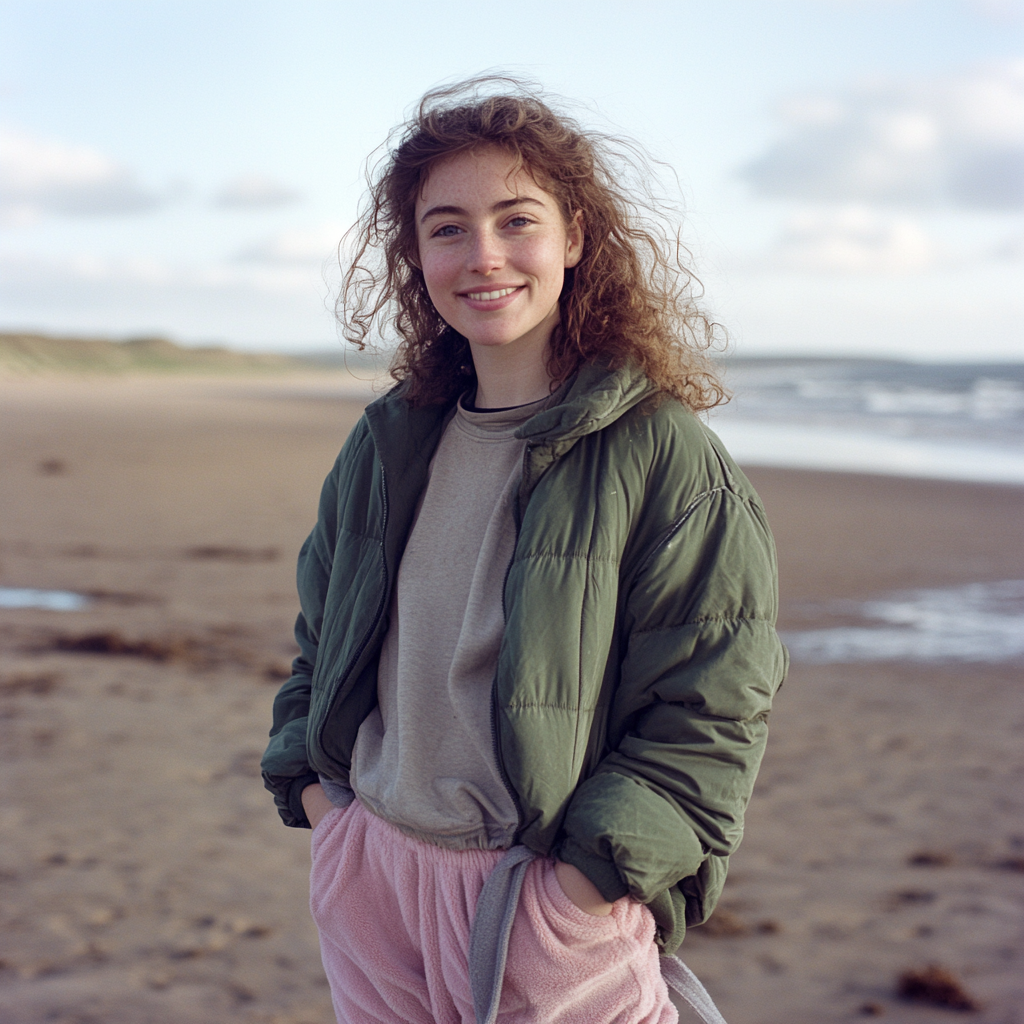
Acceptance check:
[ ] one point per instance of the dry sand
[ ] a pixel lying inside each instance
(144, 876)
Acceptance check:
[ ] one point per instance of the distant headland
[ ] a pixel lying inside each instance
(34, 353)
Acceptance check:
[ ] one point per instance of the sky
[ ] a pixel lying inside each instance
(852, 171)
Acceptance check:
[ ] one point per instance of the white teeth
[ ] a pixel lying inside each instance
(485, 296)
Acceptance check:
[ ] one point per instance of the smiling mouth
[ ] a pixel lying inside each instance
(487, 296)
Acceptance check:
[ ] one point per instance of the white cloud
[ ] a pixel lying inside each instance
(853, 239)
(956, 142)
(255, 192)
(307, 246)
(1000, 10)
(39, 176)
(72, 279)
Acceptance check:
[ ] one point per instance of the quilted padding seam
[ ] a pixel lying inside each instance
(724, 620)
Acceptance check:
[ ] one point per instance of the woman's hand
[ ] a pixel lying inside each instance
(579, 889)
(315, 803)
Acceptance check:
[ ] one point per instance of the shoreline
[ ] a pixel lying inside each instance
(767, 443)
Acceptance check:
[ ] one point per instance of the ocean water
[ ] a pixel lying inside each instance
(980, 622)
(944, 421)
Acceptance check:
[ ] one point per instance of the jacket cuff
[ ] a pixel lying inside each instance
(298, 812)
(601, 872)
(288, 796)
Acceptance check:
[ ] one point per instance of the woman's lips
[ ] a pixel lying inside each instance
(491, 298)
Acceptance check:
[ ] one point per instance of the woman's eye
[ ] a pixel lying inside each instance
(446, 232)
(519, 222)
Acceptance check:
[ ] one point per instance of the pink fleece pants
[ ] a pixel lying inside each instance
(395, 913)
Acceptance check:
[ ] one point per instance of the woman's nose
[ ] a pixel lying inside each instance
(485, 254)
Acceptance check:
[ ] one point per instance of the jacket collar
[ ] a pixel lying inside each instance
(596, 398)
(406, 438)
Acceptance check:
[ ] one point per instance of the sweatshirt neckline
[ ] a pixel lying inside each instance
(499, 423)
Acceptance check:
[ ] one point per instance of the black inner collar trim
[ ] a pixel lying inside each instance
(503, 408)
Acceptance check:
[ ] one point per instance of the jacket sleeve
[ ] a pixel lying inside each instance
(285, 767)
(700, 666)
(285, 771)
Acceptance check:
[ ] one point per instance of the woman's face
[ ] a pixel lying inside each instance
(493, 248)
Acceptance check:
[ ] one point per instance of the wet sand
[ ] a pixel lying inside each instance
(144, 876)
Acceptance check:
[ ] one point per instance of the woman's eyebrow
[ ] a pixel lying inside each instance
(458, 211)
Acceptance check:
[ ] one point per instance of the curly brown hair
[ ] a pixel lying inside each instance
(631, 298)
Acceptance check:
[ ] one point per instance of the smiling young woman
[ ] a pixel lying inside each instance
(537, 629)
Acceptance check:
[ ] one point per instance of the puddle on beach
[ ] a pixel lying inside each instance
(50, 600)
(981, 622)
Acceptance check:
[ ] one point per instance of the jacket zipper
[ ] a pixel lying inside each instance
(674, 528)
(499, 761)
(381, 605)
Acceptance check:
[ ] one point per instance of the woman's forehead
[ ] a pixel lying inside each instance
(488, 170)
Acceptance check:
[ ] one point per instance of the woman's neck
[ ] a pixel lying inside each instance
(506, 377)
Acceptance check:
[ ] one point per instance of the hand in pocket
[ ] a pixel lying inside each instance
(315, 803)
(579, 889)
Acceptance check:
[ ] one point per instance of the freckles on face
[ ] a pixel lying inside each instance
(493, 249)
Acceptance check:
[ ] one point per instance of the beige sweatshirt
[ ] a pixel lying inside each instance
(424, 759)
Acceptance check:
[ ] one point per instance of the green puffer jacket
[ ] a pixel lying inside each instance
(639, 658)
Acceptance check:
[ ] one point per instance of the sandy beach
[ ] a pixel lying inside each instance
(145, 877)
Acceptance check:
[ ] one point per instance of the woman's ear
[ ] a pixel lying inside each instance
(574, 240)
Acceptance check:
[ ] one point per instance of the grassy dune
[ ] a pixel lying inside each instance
(38, 353)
